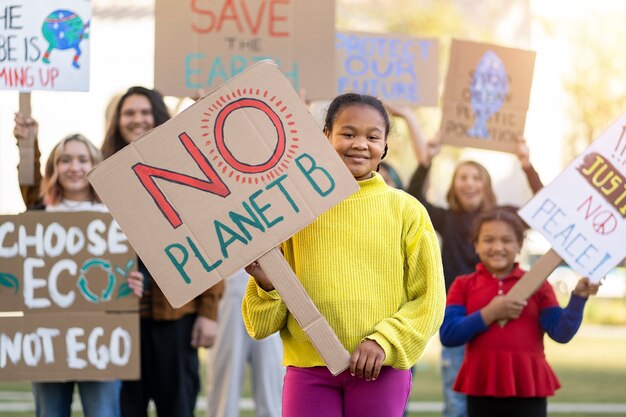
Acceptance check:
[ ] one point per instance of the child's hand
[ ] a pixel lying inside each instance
(366, 360)
(259, 276)
(135, 282)
(584, 288)
(502, 307)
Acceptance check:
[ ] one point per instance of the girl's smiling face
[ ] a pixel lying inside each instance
(358, 135)
(497, 246)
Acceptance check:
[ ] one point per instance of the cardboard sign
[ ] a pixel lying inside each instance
(69, 347)
(65, 273)
(44, 45)
(202, 44)
(395, 68)
(486, 96)
(222, 183)
(76, 261)
(582, 212)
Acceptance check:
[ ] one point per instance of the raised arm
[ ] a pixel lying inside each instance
(523, 155)
(424, 150)
(27, 128)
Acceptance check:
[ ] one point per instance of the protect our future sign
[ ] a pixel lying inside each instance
(222, 183)
(395, 68)
(582, 212)
(65, 274)
(44, 45)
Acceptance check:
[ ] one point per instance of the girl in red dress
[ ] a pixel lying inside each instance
(505, 372)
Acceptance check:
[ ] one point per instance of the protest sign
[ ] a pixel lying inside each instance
(76, 261)
(76, 347)
(486, 96)
(201, 44)
(582, 212)
(73, 317)
(44, 45)
(223, 183)
(397, 69)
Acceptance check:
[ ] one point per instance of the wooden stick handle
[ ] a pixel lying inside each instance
(535, 276)
(26, 168)
(305, 312)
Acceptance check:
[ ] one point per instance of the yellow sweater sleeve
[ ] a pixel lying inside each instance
(264, 313)
(405, 335)
(372, 266)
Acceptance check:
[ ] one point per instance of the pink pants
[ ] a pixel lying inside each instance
(316, 392)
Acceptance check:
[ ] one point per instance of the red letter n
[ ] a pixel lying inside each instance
(147, 174)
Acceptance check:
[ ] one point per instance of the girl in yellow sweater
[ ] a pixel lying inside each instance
(372, 266)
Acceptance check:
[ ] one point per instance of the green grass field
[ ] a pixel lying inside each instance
(592, 369)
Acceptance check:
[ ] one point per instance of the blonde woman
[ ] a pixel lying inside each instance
(64, 187)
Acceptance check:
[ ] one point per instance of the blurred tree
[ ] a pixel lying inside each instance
(594, 83)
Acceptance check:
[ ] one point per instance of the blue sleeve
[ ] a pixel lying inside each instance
(459, 328)
(561, 324)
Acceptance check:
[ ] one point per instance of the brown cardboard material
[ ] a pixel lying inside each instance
(534, 277)
(63, 347)
(51, 283)
(26, 146)
(223, 183)
(396, 68)
(202, 44)
(486, 95)
(56, 272)
(24, 105)
(310, 320)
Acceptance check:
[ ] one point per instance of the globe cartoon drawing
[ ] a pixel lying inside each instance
(489, 88)
(64, 29)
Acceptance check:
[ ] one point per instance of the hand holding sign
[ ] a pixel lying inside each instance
(223, 183)
(585, 228)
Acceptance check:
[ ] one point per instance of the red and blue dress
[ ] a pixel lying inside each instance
(506, 361)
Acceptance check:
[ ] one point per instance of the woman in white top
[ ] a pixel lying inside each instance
(65, 188)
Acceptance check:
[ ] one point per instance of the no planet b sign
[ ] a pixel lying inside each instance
(222, 183)
(583, 211)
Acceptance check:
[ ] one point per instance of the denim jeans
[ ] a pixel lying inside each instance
(454, 403)
(98, 398)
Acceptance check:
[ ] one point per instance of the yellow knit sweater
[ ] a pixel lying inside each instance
(372, 267)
